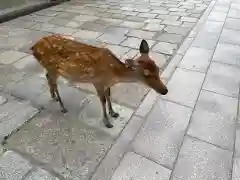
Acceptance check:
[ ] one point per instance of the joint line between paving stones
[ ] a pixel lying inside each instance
(95, 169)
(190, 120)
(130, 142)
(153, 160)
(33, 169)
(235, 131)
(37, 163)
(208, 142)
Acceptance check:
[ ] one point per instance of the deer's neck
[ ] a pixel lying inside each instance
(128, 75)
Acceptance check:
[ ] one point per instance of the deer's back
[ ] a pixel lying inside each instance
(74, 60)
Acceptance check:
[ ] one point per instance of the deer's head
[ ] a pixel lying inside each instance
(146, 70)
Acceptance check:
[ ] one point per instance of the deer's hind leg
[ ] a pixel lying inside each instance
(52, 82)
(110, 109)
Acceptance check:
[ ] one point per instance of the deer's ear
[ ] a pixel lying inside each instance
(144, 48)
(130, 63)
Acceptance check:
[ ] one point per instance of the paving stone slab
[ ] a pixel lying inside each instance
(135, 42)
(223, 79)
(13, 166)
(13, 115)
(196, 59)
(232, 23)
(8, 57)
(206, 40)
(107, 167)
(230, 36)
(214, 119)
(212, 27)
(234, 13)
(200, 160)
(111, 39)
(217, 16)
(236, 169)
(123, 92)
(134, 166)
(72, 144)
(40, 174)
(170, 38)
(227, 53)
(177, 30)
(237, 140)
(184, 87)
(161, 136)
(165, 48)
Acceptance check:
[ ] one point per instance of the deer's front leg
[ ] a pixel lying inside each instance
(108, 98)
(102, 97)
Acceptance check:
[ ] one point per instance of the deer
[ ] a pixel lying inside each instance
(83, 63)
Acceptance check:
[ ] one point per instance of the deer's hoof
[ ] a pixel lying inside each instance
(64, 110)
(114, 115)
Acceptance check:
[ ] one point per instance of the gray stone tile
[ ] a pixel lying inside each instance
(223, 79)
(189, 19)
(165, 48)
(232, 23)
(221, 8)
(70, 143)
(172, 23)
(40, 174)
(121, 93)
(8, 57)
(159, 59)
(212, 27)
(148, 15)
(85, 34)
(198, 159)
(84, 18)
(13, 166)
(185, 45)
(234, 13)
(177, 30)
(153, 27)
(142, 34)
(111, 39)
(168, 17)
(147, 104)
(91, 26)
(230, 36)
(134, 166)
(227, 53)
(43, 27)
(184, 87)
(135, 42)
(108, 21)
(107, 167)
(28, 64)
(171, 67)
(132, 24)
(116, 30)
(130, 54)
(196, 59)
(119, 51)
(170, 38)
(206, 40)
(236, 169)
(21, 89)
(237, 141)
(64, 30)
(217, 16)
(214, 119)
(161, 136)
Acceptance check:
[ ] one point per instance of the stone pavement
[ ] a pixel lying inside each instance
(192, 133)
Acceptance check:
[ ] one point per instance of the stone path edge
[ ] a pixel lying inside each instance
(27, 10)
(106, 168)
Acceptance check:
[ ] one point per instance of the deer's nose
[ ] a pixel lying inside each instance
(165, 92)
